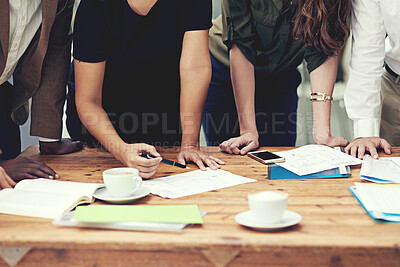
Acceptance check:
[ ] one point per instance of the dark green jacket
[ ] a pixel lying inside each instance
(263, 32)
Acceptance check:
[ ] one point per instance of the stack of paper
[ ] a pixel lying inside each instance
(166, 218)
(382, 202)
(311, 159)
(382, 170)
(68, 221)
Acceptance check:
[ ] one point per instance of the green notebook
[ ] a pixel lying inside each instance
(139, 213)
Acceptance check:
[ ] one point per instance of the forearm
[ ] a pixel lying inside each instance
(95, 119)
(322, 80)
(89, 82)
(195, 72)
(194, 84)
(243, 82)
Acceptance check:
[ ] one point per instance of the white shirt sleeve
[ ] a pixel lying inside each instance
(362, 95)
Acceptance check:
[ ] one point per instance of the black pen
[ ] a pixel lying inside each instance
(169, 162)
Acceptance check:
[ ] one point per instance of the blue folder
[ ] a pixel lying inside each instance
(278, 172)
(376, 216)
(377, 180)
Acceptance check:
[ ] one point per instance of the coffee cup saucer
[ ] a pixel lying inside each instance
(103, 194)
(288, 219)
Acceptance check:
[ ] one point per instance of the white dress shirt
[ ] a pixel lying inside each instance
(371, 20)
(25, 20)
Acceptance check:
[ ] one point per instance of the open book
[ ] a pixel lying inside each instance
(45, 198)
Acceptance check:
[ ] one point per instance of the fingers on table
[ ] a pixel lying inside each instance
(42, 170)
(226, 146)
(217, 160)
(5, 180)
(251, 146)
(386, 146)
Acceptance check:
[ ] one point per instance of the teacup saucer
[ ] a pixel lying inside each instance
(289, 218)
(102, 194)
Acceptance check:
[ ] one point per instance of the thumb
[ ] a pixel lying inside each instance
(247, 148)
(339, 141)
(150, 149)
(386, 147)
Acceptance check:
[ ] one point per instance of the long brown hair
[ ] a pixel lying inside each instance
(323, 24)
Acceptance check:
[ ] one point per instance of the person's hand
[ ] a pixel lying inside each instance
(358, 146)
(191, 153)
(330, 141)
(63, 146)
(131, 158)
(5, 180)
(248, 142)
(22, 168)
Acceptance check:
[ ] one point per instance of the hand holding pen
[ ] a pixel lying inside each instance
(129, 155)
(166, 161)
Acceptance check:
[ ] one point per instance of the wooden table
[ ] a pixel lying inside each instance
(335, 230)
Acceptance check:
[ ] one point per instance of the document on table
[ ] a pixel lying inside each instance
(380, 198)
(195, 182)
(382, 170)
(315, 158)
(396, 160)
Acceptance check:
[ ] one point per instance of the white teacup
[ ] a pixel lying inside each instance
(268, 206)
(122, 182)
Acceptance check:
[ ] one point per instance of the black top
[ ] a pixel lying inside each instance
(141, 86)
(263, 31)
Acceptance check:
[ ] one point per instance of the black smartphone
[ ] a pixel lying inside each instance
(265, 157)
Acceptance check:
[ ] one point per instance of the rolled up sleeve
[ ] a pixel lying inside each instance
(238, 28)
(314, 58)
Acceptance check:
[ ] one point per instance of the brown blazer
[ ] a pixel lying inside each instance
(45, 68)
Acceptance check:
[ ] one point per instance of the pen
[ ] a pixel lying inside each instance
(169, 162)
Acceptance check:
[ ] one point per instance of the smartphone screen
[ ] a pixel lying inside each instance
(265, 156)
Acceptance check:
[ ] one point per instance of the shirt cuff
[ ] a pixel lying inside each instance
(366, 128)
(42, 139)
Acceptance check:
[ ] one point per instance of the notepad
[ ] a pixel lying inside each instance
(139, 213)
(45, 198)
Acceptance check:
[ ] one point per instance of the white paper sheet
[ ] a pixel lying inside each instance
(383, 168)
(396, 160)
(315, 158)
(195, 182)
(380, 198)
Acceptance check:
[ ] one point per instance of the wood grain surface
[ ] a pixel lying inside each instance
(334, 231)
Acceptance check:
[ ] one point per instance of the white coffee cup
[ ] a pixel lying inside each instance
(122, 182)
(268, 206)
